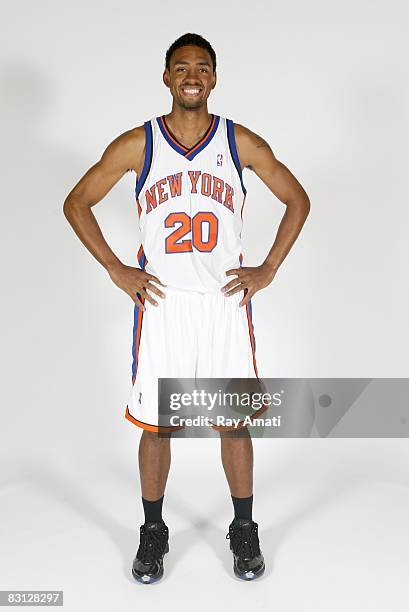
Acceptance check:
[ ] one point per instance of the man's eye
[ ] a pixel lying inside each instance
(203, 70)
(179, 69)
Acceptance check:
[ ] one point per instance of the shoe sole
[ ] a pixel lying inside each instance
(150, 579)
(248, 576)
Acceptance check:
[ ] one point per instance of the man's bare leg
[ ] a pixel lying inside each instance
(154, 464)
(237, 459)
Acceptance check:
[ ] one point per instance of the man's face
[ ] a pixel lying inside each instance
(190, 77)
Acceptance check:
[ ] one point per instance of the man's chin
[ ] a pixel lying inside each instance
(191, 104)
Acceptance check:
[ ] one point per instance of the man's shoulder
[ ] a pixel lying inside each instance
(135, 135)
(249, 144)
(241, 132)
(127, 149)
(132, 141)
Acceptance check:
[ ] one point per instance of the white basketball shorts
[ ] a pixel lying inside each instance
(189, 334)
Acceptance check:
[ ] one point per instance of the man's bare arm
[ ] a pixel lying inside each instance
(121, 155)
(255, 153)
(125, 153)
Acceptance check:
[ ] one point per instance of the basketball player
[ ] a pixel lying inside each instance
(191, 292)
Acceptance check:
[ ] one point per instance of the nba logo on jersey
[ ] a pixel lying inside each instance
(220, 159)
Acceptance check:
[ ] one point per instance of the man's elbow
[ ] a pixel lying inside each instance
(68, 207)
(306, 205)
(72, 205)
(300, 202)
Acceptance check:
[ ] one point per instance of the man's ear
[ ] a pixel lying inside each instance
(166, 78)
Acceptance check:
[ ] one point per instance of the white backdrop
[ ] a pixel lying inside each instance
(327, 85)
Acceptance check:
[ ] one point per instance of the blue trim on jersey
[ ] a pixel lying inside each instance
(142, 260)
(251, 319)
(250, 307)
(148, 159)
(172, 143)
(189, 154)
(142, 263)
(233, 151)
(135, 324)
(204, 144)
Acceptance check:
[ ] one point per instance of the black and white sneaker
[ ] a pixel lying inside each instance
(244, 543)
(147, 566)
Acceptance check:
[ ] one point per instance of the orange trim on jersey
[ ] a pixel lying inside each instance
(251, 332)
(139, 209)
(149, 427)
(179, 144)
(173, 139)
(139, 423)
(140, 252)
(190, 151)
(138, 335)
(250, 324)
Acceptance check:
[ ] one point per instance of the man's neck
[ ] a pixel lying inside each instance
(188, 126)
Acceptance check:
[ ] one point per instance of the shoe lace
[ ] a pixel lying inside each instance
(244, 541)
(152, 544)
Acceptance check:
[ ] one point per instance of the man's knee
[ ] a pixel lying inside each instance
(156, 437)
(237, 432)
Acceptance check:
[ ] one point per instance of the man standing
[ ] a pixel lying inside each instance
(192, 294)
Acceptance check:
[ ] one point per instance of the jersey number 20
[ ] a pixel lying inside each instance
(174, 242)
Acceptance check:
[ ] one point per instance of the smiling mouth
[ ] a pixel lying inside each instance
(191, 91)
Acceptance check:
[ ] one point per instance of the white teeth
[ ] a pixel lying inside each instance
(191, 91)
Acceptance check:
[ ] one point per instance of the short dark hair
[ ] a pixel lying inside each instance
(190, 39)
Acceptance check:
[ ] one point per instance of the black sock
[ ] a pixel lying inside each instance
(153, 509)
(243, 507)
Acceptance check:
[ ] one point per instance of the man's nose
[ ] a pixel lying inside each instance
(192, 74)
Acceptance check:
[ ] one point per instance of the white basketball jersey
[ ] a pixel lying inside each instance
(190, 205)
